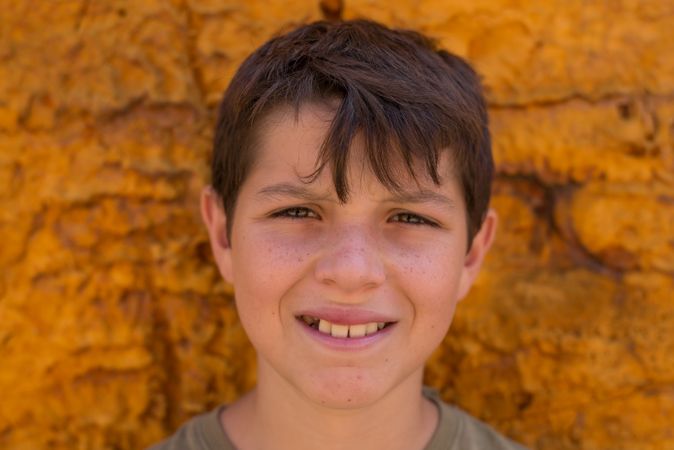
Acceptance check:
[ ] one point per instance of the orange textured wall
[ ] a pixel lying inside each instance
(114, 326)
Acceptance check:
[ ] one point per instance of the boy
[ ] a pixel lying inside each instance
(349, 209)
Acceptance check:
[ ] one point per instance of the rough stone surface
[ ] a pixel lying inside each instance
(535, 52)
(115, 326)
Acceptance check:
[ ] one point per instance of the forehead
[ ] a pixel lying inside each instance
(290, 140)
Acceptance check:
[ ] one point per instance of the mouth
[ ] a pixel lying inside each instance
(344, 331)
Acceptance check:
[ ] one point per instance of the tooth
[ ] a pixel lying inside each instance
(308, 320)
(380, 325)
(324, 326)
(356, 331)
(340, 331)
(371, 328)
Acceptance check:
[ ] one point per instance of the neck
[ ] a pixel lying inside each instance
(277, 415)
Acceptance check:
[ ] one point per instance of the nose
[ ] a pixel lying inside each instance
(351, 260)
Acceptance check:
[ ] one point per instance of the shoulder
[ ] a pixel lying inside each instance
(474, 434)
(202, 432)
(458, 430)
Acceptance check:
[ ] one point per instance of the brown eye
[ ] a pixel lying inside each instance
(296, 213)
(412, 219)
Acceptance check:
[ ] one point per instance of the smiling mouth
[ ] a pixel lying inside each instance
(344, 331)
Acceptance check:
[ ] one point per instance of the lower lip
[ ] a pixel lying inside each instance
(346, 343)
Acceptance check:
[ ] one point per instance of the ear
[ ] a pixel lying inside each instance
(213, 215)
(479, 248)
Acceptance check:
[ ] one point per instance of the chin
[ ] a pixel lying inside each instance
(344, 388)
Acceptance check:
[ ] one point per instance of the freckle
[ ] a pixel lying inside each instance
(348, 400)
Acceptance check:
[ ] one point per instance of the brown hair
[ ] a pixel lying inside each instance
(409, 99)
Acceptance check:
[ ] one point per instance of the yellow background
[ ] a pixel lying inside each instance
(114, 325)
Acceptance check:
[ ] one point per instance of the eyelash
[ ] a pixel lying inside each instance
(300, 212)
(414, 219)
(296, 212)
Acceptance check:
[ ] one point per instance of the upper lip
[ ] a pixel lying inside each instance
(346, 316)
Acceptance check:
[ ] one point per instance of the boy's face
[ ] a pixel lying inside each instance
(297, 257)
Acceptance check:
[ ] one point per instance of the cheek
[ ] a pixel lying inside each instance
(431, 277)
(431, 272)
(268, 265)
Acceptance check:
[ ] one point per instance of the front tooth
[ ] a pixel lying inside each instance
(339, 331)
(356, 331)
(371, 328)
(324, 326)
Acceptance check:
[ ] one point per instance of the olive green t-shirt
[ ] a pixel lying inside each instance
(456, 430)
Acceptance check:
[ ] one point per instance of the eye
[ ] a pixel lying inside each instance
(296, 212)
(412, 219)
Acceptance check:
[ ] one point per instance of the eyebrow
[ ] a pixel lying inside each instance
(291, 190)
(305, 194)
(422, 196)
